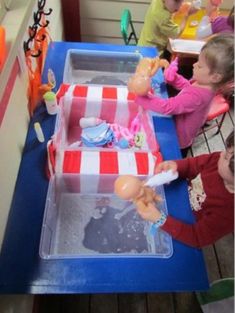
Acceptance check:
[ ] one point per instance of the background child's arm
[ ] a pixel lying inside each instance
(189, 10)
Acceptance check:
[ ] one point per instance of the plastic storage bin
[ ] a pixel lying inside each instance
(83, 218)
(99, 67)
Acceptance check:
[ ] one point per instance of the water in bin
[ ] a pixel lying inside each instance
(99, 67)
(98, 224)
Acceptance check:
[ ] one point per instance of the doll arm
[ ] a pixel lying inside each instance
(148, 212)
(173, 78)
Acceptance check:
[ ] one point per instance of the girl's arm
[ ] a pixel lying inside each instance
(203, 232)
(187, 168)
(173, 78)
(184, 102)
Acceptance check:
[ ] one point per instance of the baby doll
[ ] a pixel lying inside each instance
(140, 82)
(129, 187)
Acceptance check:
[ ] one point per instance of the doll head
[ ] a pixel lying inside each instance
(128, 187)
(140, 82)
(139, 85)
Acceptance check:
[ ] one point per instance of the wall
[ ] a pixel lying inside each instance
(15, 122)
(14, 125)
(100, 19)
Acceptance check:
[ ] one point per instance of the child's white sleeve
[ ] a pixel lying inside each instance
(204, 28)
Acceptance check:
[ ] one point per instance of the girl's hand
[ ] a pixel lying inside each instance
(171, 71)
(149, 212)
(165, 166)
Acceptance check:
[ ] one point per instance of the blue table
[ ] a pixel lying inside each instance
(21, 268)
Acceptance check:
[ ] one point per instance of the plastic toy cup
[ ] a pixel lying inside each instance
(51, 102)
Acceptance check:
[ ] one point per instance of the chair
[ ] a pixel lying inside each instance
(219, 107)
(219, 298)
(127, 28)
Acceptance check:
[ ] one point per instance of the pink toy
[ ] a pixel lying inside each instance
(171, 71)
(89, 121)
(136, 124)
(121, 132)
(171, 76)
(140, 82)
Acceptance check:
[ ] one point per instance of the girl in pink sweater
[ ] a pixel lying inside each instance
(215, 67)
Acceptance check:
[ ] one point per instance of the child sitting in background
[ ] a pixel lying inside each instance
(214, 69)
(212, 175)
(221, 24)
(158, 25)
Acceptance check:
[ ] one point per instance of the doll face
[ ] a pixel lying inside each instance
(172, 5)
(224, 170)
(128, 187)
(202, 74)
(139, 85)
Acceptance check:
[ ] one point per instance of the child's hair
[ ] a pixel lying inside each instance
(230, 19)
(219, 54)
(230, 144)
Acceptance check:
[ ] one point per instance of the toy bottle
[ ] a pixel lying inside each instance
(89, 121)
(38, 131)
(51, 102)
(162, 178)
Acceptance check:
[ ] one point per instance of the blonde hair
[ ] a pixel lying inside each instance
(219, 55)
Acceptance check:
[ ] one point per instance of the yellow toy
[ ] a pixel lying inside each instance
(140, 82)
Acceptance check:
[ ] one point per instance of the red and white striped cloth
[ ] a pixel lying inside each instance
(95, 171)
(105, 162)
(94, 92)
(112, 104)
(98, 162)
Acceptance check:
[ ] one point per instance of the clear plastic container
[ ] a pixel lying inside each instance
(99, 67)
(84, 218)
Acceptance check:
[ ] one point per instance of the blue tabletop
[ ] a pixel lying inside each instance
(21, 268)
